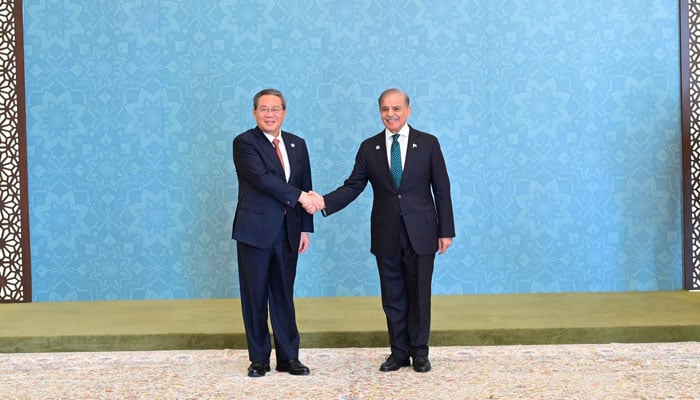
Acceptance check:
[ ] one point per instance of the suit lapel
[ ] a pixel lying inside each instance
(291, 146)
(379, 149)
(414, 139)
(268, 149)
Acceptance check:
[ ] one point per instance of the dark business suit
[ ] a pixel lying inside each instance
(267, 227)
(405, 226)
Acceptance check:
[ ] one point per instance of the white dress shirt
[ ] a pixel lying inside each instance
(403, 143)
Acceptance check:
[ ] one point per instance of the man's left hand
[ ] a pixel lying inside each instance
(443, 244)
(304, 242)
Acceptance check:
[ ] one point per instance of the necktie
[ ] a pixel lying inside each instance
(396, 160)
(276, 142)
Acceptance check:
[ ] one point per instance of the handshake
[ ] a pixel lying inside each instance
(312, 201)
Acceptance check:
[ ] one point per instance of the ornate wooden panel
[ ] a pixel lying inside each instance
(690, 118)
(15, 270)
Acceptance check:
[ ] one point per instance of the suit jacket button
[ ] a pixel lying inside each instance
(399, 196)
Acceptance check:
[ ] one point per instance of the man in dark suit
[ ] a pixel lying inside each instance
(271, 228)
(408, 224)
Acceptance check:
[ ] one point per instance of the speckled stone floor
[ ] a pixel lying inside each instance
(575, 371)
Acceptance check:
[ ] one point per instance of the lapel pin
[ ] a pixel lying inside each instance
(292, 145)
(415, 146)
(377, 148)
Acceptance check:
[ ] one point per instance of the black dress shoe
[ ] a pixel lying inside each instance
(392, 364)
(421, 364)
(258, 369)
(294, 367)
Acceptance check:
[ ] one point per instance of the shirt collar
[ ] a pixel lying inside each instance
(271, 138)
(402, 132)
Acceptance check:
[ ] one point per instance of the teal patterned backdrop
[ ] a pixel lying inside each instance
(559, 120)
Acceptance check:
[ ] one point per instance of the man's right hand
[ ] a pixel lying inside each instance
(312, 201)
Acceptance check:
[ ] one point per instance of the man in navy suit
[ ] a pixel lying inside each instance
(411, 220)
(271, 229)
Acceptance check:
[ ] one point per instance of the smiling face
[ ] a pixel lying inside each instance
(269, 114)
(394, 110)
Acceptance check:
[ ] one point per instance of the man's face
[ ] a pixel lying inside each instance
(269, 114)
(394, 111)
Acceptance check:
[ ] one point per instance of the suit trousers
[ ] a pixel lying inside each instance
(406, 280)
(267, 277)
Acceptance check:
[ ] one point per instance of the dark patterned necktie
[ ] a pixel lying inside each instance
(396, 160)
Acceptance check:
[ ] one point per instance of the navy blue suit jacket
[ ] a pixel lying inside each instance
(427, 218)
(265, 199)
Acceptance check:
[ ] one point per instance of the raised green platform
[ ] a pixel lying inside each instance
(505, 319)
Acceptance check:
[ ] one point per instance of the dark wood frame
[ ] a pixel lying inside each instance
(22, 134)
(691, 222)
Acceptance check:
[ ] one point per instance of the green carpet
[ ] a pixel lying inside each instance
(460, 320)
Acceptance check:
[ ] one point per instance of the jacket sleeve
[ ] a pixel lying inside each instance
(440, 182)
(307, 220)
(351, 188)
